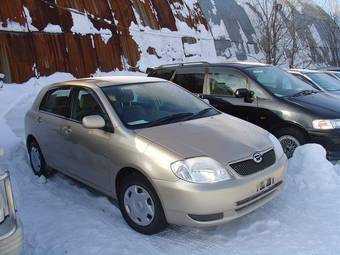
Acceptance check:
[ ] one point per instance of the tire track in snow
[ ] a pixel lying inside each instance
(16, 112)
(106, 213)
(22, 102)
(302, 214)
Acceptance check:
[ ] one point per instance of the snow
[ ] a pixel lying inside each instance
(50, 28)
(61, 217)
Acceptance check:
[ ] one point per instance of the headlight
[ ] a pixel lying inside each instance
(201, 170)
(277, 146)
(326, 124)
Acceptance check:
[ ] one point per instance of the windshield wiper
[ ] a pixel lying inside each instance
(200, 113)
(169, 118)
(304, 93)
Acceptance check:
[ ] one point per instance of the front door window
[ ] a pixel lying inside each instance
(224, 81)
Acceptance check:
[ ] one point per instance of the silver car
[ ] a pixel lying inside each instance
(333, 74)
(163, 153)
(11, 230)
(319, 80)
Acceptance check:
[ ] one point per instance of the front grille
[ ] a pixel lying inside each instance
(249, 166)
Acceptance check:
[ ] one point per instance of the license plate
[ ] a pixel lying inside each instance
(265, 184)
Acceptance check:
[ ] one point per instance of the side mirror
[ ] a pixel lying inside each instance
(206, 100)
(246, 94)
(93, 121)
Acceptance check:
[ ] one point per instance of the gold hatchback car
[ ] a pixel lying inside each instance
(162, 152)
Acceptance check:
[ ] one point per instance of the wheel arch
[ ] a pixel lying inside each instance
(29, 139)
(133, 171)
(146, 221)
(297, 126)
(123, 173)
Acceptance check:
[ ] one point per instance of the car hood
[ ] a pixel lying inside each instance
(222, 137)
(326, 105)
(335, 93)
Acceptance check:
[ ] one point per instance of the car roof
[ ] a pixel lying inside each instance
(109, 81)
(328, 71)
(304, 71)
(330, 68)
(235, 64)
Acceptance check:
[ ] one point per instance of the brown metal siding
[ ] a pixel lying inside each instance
(15, 57)
(11, 10)
(38, 10)
(196, 15)
(81, 55)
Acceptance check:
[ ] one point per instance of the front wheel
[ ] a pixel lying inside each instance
(290, 139)
(140, 205)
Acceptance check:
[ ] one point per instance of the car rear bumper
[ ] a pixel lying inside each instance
(11, 236)
(204, 205)
(11, 230)
(330, 141)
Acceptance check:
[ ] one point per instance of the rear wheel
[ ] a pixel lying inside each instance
(140, 205)
(290, 139)
(37, 160)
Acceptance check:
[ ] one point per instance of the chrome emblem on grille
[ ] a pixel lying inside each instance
(257, 157)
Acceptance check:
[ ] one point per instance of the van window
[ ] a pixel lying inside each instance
(191, 79)
(258, 91)
(163, 73)
(224, 81)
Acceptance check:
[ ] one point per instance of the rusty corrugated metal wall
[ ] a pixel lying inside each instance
(34, 52)
(85, 37)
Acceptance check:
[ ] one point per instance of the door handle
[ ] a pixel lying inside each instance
(67, 129)
(38, 120)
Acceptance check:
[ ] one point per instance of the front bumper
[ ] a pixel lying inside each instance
(206, 205)
(330, 140)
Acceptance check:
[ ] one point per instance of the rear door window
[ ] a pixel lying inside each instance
(163, 73)
(191, 79)
(55, 101)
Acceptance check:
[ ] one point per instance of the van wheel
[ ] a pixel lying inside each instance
(37, 160)
(140, 205)
(290, 139)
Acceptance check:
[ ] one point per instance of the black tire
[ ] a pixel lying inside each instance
(37, 160)
(140, 205)
(290, 138)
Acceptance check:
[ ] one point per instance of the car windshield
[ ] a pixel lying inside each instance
(277, 81)
(155, 103)
(337, 74)
(325, 81)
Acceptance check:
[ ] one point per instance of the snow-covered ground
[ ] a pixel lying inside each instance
(61, 217)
